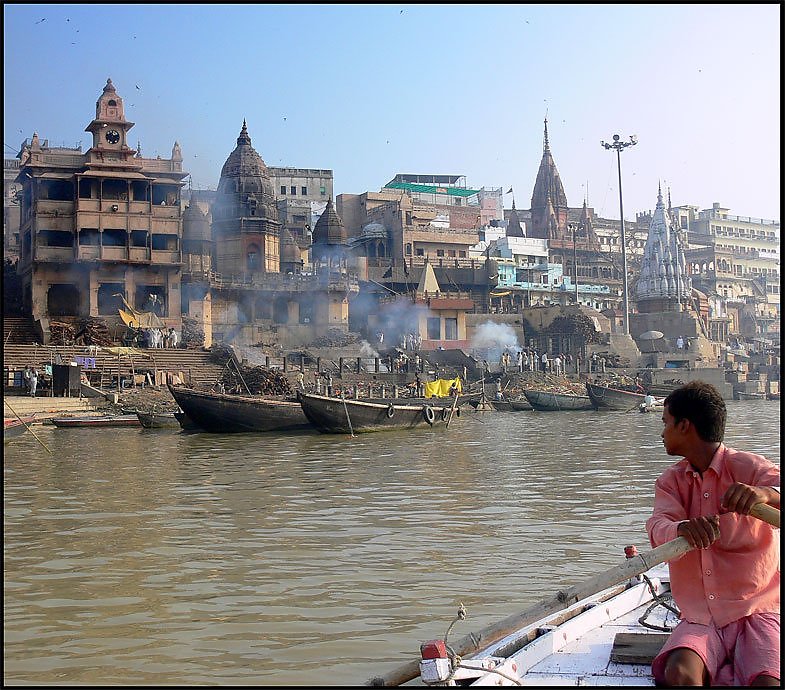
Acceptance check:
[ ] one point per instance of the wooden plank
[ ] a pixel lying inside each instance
(637, 648)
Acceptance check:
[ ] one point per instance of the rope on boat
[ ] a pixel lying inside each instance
(456, 661)
(658, 600)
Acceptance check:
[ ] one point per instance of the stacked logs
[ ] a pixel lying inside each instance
(259, 381)
(61, 333)
(93, 331)
(192, 334)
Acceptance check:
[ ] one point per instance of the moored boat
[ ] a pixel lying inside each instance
(13, 427)
(742, 395)
(608, 398)
(96, 421)
(223, 413)
(185, 422)
(332, 415)
(158, 420)
(547, 401)
(506, 405)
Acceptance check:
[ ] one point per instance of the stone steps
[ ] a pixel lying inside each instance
(195, 364)
(45, 406)
(18, 330)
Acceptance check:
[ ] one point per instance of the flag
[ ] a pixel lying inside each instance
(509, 191)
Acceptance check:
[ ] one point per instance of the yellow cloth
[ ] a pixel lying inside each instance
(440, 388)
(126, 351)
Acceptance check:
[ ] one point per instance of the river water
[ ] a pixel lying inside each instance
(158, 557)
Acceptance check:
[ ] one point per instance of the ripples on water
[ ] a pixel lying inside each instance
(157, 557)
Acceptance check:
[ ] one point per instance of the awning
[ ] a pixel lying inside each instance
(130, 175)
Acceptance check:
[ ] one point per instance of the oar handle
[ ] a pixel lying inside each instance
(767, 513)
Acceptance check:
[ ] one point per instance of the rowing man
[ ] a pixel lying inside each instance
(727, 586)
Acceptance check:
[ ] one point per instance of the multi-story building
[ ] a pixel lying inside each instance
(419, 219)
(735, 261)
(100, 226)
(11, 210)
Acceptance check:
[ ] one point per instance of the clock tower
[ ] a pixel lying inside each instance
(109, 129)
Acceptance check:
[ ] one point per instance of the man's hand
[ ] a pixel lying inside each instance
(740, 498)
(700, 532)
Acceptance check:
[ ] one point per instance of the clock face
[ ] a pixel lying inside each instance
(113, 136)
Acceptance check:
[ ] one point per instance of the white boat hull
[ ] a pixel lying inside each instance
(574, 646)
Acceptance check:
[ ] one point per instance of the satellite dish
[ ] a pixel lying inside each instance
(650, 335)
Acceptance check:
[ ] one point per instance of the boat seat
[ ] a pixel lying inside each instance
(637, 648)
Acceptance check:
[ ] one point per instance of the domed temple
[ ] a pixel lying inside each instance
(245, 272)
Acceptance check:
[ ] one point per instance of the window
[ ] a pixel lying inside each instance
(451, 252)
(304, 191)
(419, 251)
(409, 248)
(451, 329)
(56, 238)
(434, 328)
(90, 236)
(440, 252)
(283, 189)
(108, 303)
(164, 242)
(252, 258)
(461, 253)
(322, 191)
(293, 190)
(114, 238)
(138, 238)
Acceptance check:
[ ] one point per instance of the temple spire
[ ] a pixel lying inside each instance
(545, 146)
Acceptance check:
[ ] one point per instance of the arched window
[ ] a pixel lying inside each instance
(252, 258)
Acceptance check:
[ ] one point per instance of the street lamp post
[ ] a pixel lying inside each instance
(618, 146)
(574, 227)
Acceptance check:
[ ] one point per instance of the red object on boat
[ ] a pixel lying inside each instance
(630, 551)
(433, 649)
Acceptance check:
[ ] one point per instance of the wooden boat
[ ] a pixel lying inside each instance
(185, 422)
(223, 413)
(332, 415)
(518, 405)
(741, 395)
(546, 401)
(96, 421)
(596, 641)
(13, 427)
(158, 420)
(600, 632)
(607, 398)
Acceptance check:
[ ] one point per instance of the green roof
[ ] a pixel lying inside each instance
(431, 189)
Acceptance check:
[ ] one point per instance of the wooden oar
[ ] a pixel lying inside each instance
(27, 427)
(452, 410)
(348, 419)
(631, 567)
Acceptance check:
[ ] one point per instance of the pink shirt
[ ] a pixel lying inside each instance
(739, 573)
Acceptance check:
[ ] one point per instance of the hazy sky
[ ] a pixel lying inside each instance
(369, 91)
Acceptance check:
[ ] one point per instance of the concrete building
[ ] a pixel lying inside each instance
(735, 261)
(100, 224)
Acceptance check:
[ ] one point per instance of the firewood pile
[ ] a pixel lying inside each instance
(549, 383)
(335, 338)
(260, 381)
(192, 334)
(90, 331)
(220, 353)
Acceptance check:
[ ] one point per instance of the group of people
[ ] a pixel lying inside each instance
(152, 337)
(30, 380)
